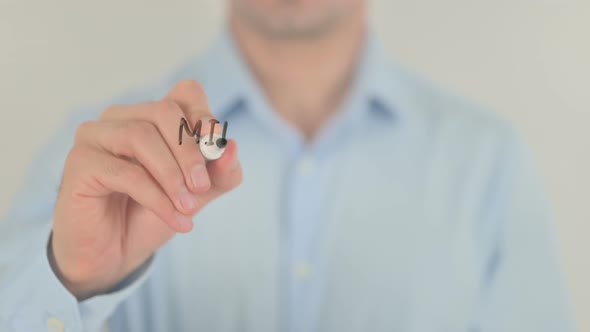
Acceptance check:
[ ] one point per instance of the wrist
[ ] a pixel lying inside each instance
(83, 286)
(80, 290)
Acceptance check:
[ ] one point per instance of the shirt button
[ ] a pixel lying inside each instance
(55, 325)
(306, 166)
(303, 271)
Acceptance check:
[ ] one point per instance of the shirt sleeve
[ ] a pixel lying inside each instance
(32, 298)
(524, 288)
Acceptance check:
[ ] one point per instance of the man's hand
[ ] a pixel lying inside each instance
(128, 187)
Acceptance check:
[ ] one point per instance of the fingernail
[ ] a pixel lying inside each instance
(185, 222)
(187, 200)
(200, 177)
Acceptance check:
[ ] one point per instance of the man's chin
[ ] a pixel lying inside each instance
(291, 26)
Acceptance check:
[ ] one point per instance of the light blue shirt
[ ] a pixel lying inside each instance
(413, 210)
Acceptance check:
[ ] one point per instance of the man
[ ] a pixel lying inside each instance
(371, 201)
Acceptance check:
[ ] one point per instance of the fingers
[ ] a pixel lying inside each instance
(141, 141)
(148, 132)
(166, 116)
(112, 174)
(191, 97)
(226, 172)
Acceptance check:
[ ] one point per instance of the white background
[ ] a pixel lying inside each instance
(528, 59)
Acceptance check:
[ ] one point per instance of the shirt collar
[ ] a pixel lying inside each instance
(375, 82)
(229, 83)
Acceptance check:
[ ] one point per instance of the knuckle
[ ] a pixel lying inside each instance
(190, 86)
(78, 160)
(142, 131)
(124, 170)
(168, 106)
(83, 129)
(110, 111)
(76, 154)
(165, 110)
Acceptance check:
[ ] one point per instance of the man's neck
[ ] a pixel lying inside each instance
(305, 80)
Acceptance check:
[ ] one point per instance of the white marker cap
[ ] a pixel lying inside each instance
(211, 150)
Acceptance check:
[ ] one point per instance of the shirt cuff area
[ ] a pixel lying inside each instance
(97, 309)
(34, 299)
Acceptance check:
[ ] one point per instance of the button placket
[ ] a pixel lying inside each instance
(55, 325)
